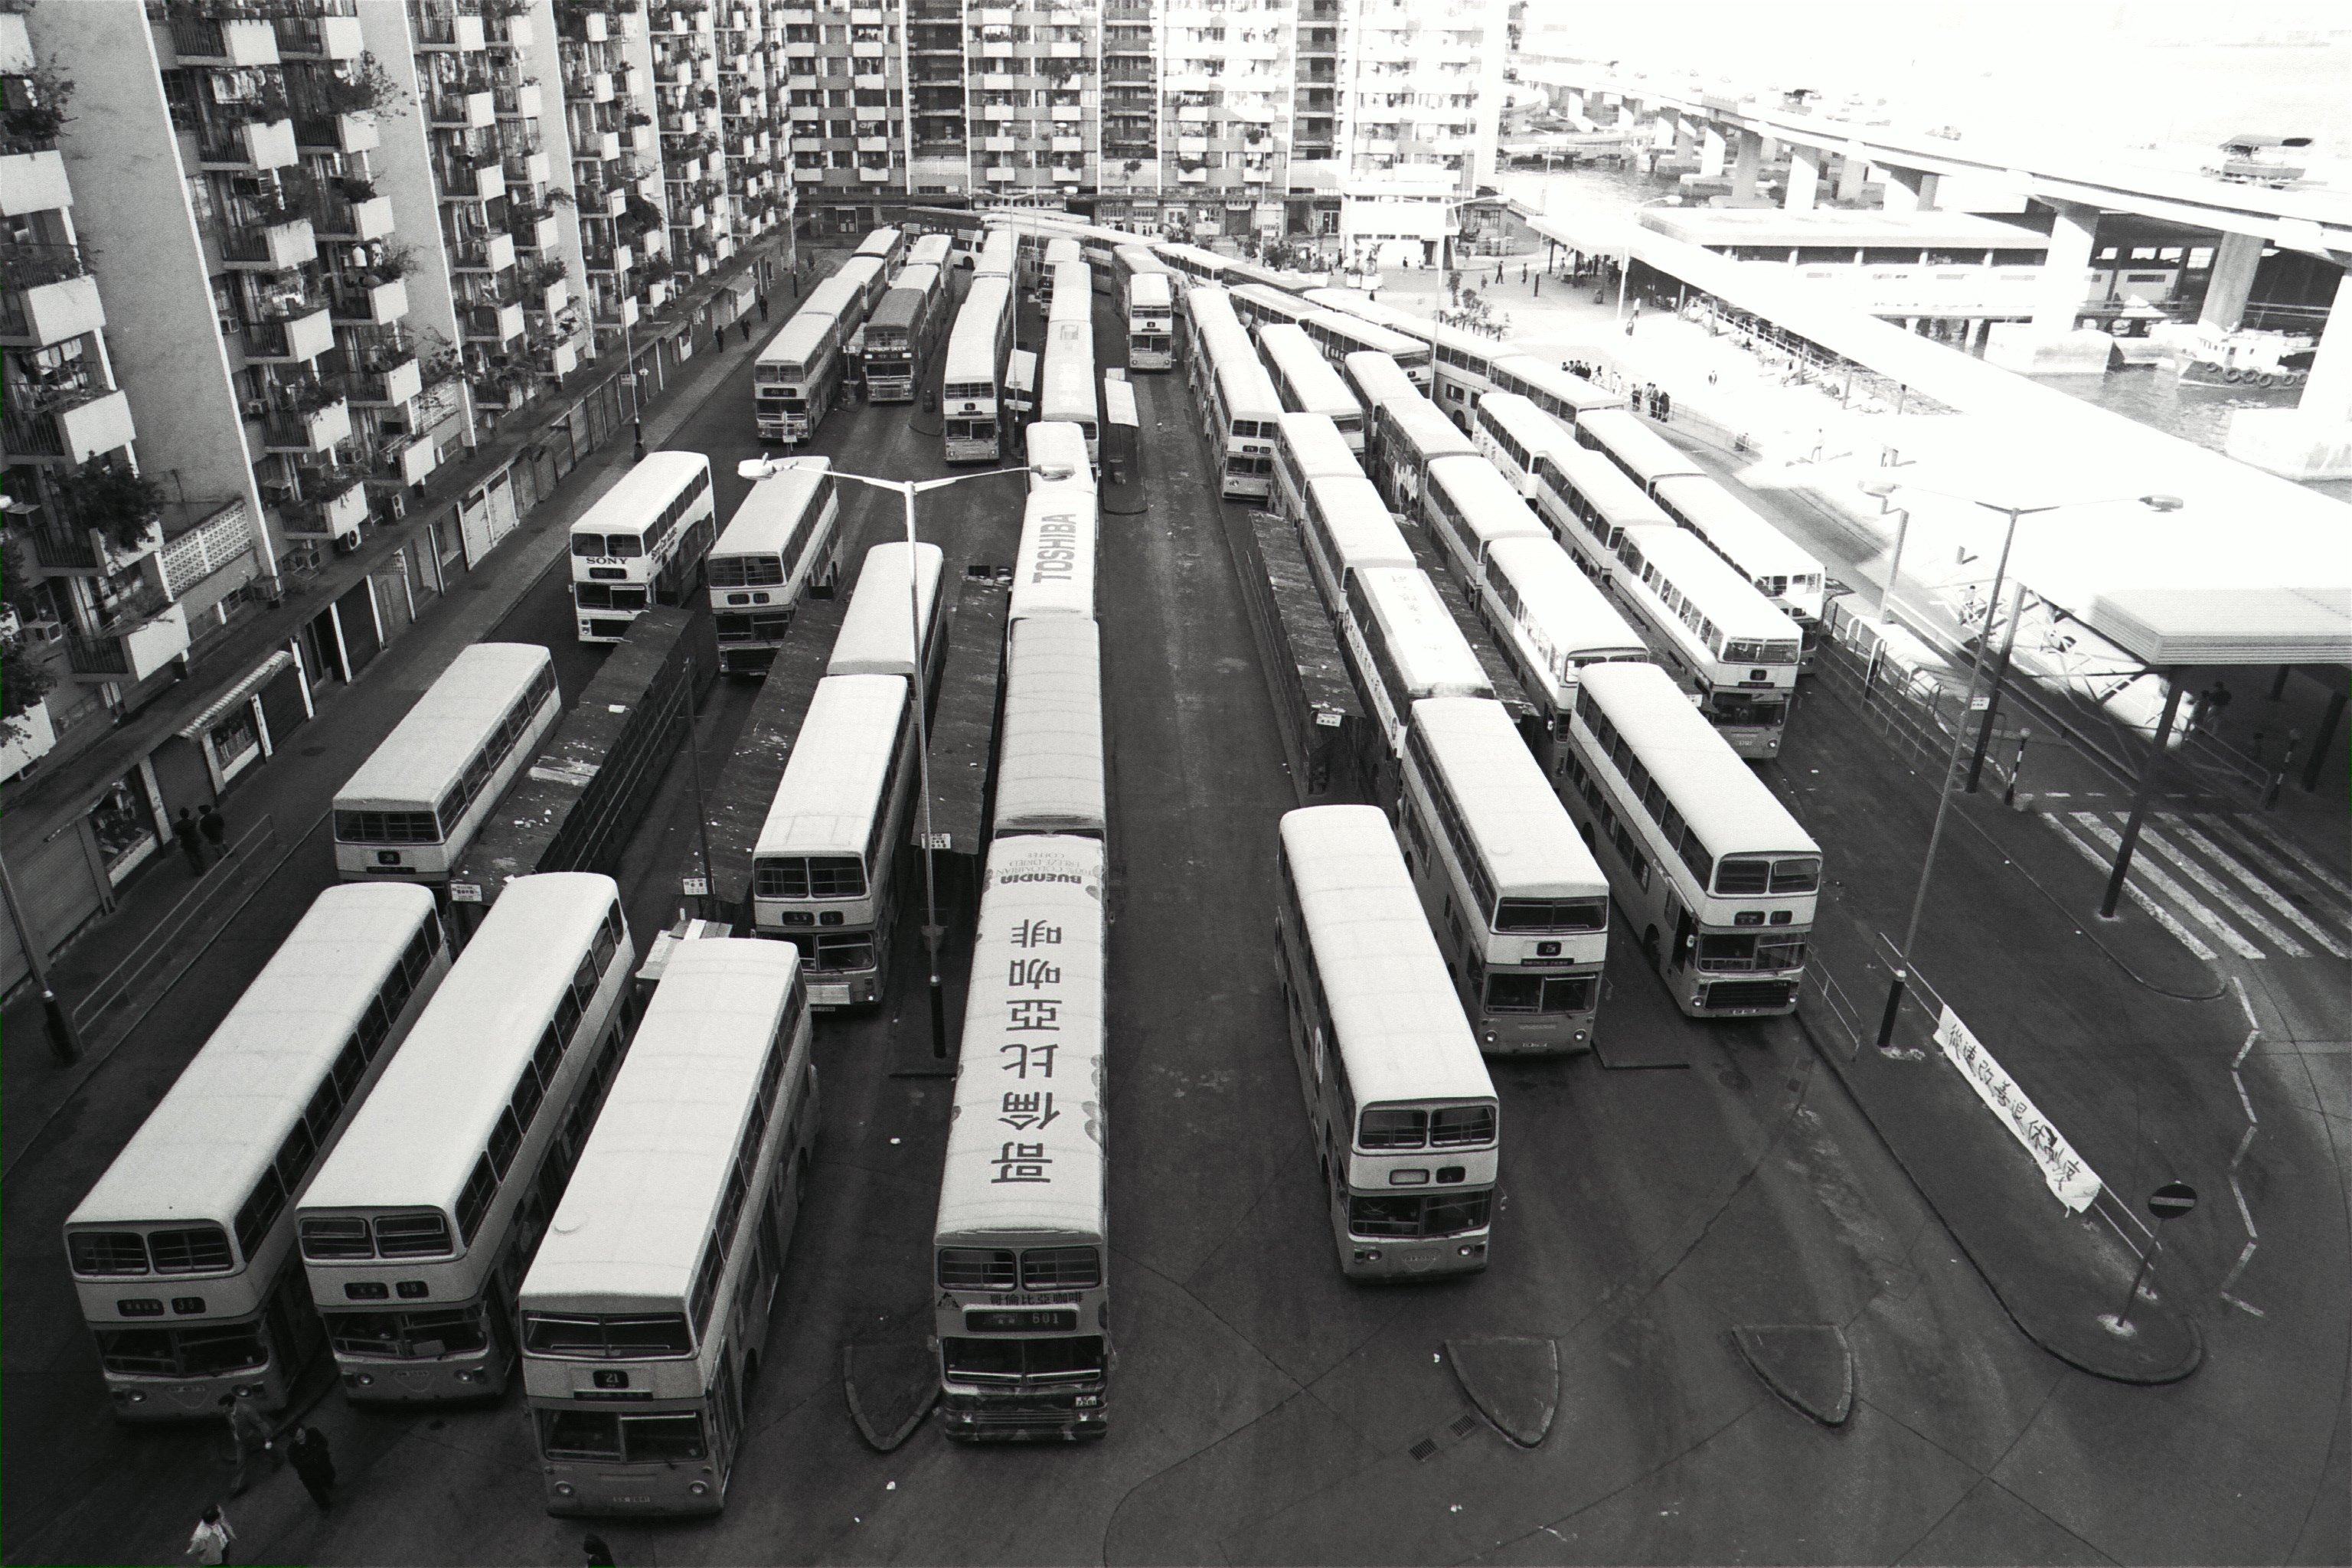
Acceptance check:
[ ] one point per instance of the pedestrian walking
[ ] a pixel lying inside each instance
(314, 1462)
(747, 332)
(215, 827)
(1665, 406)
(250, 1439)
(1522, 271)
(2209, 704)
(1498, 272)
(191, 838)
(763, 304)
(210, 1540)
(598, 1555)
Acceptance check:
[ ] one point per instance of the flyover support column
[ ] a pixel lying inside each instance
(1854, 171)
(2313, 441)
(1575, 108)
(1910, 191)
(2049, 344)
(1746, 163)
(1804, 179)
(2232, 282)
(1710, 150)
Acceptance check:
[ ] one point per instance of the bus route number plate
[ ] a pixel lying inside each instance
(464, 892)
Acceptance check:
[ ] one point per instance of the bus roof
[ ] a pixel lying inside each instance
(1573, 389)
(1049, 773)
(1429, 432)
(1054, 565)
(831, 786)
(633, 1220)
(1401, 1030)
(1622, 433)
(1058, 445)
(1607, 487)
(1718, 590)
(1358, 520)
(1317, 448)
(1522, 832)
(878, 242)
(1068, 392)
(1718, 792)
(1490, 507)
(1248, 390)
(1736, 529)
(930, 250)
(799, 337)
(415, 1139)
(1312, 381)
(632, 503)
(875, 636)
(971, 344)
(860, 272)
(1059, 248)
(1354, 302)
(1041, 899)
(1020, 370)
(1427, 647)
(1397, 345)
(908, 298)
(763, 524)
(1529, 425)
(1118, 404)
(1380, 376)
(200, 1150)
(414, 765)
(1560, 609)
(1151, 291)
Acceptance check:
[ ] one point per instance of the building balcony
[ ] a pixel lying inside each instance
(520, 102)
(1191, 146)
(874, 174)
(805, 177)
(16, 46)
(257, 144)
(591, 26)
(1003, 174)
(1068, 175)
(301, 431)
(146, 633)
(866, 51)
(536, 234)
(75, 423)
(202, 40)
(604, 147)
(340, 220)
(529, 169)
(300, 336)
(459, 33)
(46, 295)
(557, 359)
(370, 304)
(591, 87)
(482, 253)
(873, 143)
(1065, 49)
(485, 181)
(327, 516)
(635, 83)
(520, 33)
(457, 108)
(413, 458)
(398, 381)
(27, 738)
(1192, 176)
(492, 323)
(549, 299)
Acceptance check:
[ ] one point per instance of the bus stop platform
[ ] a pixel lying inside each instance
(963, 740)
(737, 807)
(1326, 734)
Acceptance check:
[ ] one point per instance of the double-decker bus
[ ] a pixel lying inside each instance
(1196, 265)
(1241, 402)
(1054, 565)
(183, 1252)
(930, 251)
(902, 334)
(1309, 447)
(1019, 388)
(1346, 529)
(1000, 251)
(642, 543)
(1409, 434)
(645, 1316)
(1589, 503)
(887, 246)
(878, 634)
(822, 869)
(1512, 433)
(1022, 1244)
(1705, 863)
(1520, 908)
(1402, 645)
(1549, 622)
(1459, 361)
(1558, 392)
(412, 808)
(1339, 334)
(1709, 628)
(1306, 381)
(799, 372)
(868, 277)
(1049, 763)
(1468, 507)
(1645, 455)
(1060, 251)
(417, 1232)
(1780, 569)
(1399, 1104)
(1068, 394)
(971, 390)
(1058, 455)
(1146, 292)
(1374, 378)
(784, 540)
(1257, 304)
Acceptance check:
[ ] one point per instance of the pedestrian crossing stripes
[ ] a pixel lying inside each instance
(2222, 883)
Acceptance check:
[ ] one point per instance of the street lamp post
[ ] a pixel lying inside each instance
(1882, 490)
(906, 491)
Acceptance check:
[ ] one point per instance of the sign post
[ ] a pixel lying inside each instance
(2169, 1201)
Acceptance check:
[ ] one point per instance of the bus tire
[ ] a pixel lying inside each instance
(1650, 946)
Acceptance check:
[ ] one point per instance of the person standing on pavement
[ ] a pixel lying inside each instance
(191, 840)
(215, 827)
(210, 1540)
(249, 1432)
(314, 1462)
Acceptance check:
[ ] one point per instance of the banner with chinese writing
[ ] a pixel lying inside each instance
(2068, 1175)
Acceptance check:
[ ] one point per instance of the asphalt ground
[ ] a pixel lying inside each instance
(1265, 1410)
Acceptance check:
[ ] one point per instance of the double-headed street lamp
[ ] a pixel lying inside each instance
(1883, 490)
(757, 469)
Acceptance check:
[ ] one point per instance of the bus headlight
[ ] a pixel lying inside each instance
(136, 1397)
(563, 1488)
(1368, 1255)
(699, 1489)
(366, 1379)
(469, 1376)
(245, 1390)
(1488, 1038)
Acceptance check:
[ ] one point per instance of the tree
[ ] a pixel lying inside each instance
(113, 497)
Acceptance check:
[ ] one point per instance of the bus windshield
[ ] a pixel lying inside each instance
(1077, 1356)
(1520, 990)
(1419, 1213)
(606, 1339)
(409, 1336)
(627, 1439)
(205, 1351)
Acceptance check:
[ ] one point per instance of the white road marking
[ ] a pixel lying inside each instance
(2275, 845)
(2089, 822)
(2149, 906)
(2220, 892)
(2256, 884)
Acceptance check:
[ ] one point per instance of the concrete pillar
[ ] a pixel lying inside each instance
(1911, 190)
(1748, 162)
(2313, 441)
(1852, 170)
(2232, 282)
(2327, 396)
(1662, 130)
(2059, 294)
(1710, 150)
(1575, 108)
(1804, 179)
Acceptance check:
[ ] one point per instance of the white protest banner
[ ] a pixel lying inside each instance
(2074, 1181)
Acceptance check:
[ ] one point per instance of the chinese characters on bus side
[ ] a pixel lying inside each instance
(1029, 1111)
